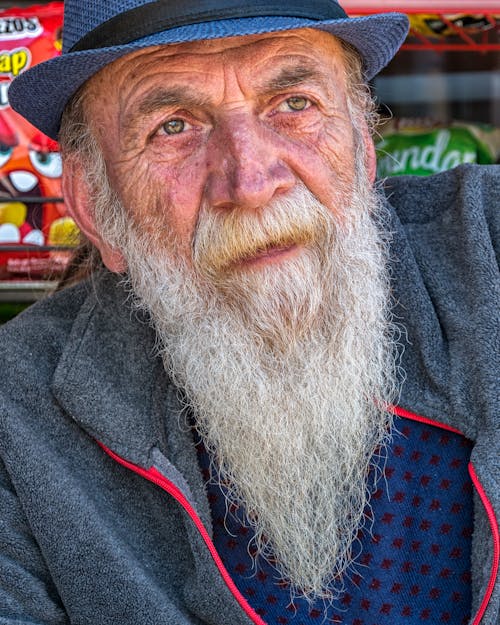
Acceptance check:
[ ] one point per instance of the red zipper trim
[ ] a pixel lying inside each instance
(153, 475)
(402, 412)
(496, 543)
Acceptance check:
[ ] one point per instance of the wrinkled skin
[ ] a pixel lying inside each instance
(231, 122)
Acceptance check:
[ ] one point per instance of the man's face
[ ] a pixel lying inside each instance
(227, 124)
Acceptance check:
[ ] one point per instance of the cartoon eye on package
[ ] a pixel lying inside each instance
(30, 164)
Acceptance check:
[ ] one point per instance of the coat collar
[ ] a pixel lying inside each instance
(109, 379)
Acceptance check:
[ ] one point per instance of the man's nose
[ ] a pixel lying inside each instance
(245, 165)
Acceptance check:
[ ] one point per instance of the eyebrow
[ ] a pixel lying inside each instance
(161, 98)
(293, 76)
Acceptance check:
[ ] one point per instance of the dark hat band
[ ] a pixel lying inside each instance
(161, 15)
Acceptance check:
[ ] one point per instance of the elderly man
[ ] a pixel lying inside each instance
(272, 399)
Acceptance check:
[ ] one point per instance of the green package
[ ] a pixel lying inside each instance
(425, 152)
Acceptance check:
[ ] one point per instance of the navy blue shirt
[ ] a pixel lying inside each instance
(414, 564)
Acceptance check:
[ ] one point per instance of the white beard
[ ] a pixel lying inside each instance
(288, 368)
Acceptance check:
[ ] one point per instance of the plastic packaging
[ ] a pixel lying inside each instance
(423, 146)
(30, 163)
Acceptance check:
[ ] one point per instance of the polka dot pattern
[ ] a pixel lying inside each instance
(414, 565)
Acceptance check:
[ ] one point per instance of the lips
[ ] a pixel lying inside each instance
(268, 255)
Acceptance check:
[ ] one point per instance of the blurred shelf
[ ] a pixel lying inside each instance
(7, 4)
(421, 6)
(24, 291)
(460, 37)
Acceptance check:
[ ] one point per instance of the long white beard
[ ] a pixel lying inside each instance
(288, 368)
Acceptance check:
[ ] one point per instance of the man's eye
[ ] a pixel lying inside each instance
(296, 103)
(174, 126)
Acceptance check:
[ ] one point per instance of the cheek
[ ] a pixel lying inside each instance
(164, 200)
(337, 148)
(326, 166)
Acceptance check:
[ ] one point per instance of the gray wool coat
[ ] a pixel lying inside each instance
(104, 518)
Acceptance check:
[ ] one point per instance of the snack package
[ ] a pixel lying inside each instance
(423, 147)
(432, 25)
(30, 164)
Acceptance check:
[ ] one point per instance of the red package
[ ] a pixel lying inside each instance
(30, 164)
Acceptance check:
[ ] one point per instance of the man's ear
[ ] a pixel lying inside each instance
(77, 199)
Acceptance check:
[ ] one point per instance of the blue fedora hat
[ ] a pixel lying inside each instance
(96, 32)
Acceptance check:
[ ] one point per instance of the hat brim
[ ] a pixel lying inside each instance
(41, 93)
